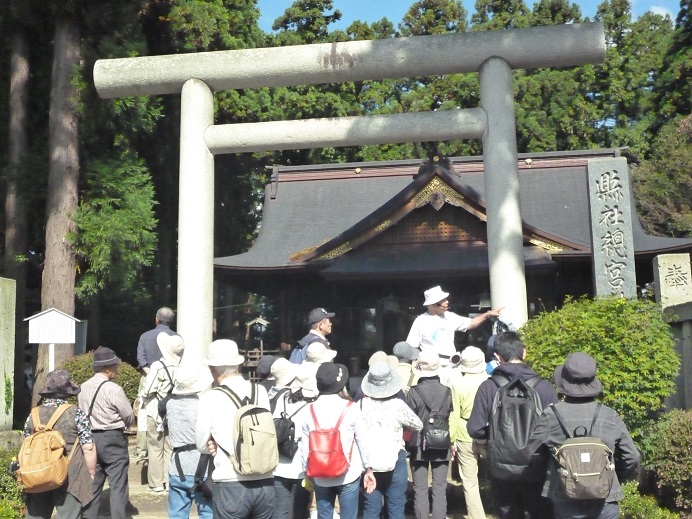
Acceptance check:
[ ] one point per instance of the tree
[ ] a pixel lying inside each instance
(57, 288)
(16, 221)
(672, 87)
(492, 15)
(662, 184)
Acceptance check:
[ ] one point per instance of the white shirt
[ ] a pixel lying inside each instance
(436, 332)
(292, 469)
(215, 420)
(353, 433)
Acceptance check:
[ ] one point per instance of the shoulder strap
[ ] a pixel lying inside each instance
(500, 380)
(230, 394)
(343, 413)
(93, 400)
(560, 421)
(314, 416)
(297, 410)
(167, 373)
(564, 427)
(533, 381)
(595, 415)
(440, 401)
(57, 414)
(275, 399)
(235, 398)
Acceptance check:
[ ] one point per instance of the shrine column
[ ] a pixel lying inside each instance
(195, 218)
(505, 236)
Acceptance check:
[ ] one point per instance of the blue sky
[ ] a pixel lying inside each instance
(373, 10)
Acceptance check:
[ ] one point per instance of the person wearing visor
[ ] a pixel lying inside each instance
(434, 330)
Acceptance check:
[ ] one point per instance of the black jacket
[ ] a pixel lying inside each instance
(609, 427)
(477, 425)
(431, 390)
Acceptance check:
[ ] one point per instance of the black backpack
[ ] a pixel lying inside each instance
(285, 428)
(515, 411)
(435, 433)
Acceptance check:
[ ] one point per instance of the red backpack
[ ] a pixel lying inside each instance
(326, 458)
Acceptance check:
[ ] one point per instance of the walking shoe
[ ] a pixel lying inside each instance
(159, 491)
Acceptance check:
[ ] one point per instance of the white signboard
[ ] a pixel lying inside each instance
(52, 327)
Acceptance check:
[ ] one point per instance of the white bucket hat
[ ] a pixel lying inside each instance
(171, 346)
(434, 295)
(223, 352)
(319, 353)
(284, 372)
(191, 378)
(472, 360)
(428, 364)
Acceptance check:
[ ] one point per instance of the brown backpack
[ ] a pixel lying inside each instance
(42, 460)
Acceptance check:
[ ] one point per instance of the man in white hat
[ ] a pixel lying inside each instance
(434, 329)
(235, 495)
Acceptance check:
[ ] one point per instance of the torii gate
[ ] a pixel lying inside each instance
(196, 76)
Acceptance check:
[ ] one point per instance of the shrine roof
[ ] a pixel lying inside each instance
(312, 209)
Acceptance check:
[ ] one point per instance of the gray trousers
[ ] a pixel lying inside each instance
(40, 506)
(113, 461)
(421, 498)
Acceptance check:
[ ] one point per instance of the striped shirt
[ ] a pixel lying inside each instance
(112, 409)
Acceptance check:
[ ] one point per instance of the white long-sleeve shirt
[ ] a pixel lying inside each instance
(215, 420)
(328, 408)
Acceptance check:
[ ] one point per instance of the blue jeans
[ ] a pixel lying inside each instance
(392, 486)
(244, 500)
(292, 500)
(181, 497)
(348, 500)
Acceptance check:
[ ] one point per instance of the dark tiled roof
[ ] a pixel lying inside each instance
(306, 207)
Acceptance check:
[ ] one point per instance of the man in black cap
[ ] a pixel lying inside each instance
(106, 404)
(576, 380)
(320, 324)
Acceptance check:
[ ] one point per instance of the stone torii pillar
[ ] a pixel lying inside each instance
(196, 76)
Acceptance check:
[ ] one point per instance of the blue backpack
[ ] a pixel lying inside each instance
(300, 352)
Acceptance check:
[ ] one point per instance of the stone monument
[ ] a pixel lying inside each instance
(673, 288)
(612, 247)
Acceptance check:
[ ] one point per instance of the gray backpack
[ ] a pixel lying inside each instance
(585, 464)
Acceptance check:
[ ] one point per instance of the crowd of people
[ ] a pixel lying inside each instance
(416, 411)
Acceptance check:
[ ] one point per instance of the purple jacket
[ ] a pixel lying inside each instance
(477, 425)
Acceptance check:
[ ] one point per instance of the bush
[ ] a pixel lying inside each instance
(667, 451)
(634, 348)
(11, 504)
(80, 370)
(636, 506)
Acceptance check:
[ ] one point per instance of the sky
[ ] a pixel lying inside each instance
(374, 10)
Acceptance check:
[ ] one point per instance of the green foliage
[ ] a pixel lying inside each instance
(80, 370)
(215, 25)
(115, 234)
(11, 504)
(667, 449)
(637, 506)
(633, 346)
